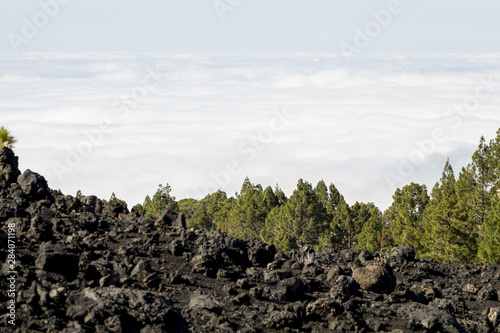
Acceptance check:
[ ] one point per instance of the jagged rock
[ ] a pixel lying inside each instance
(59, 261)
(33, 185)
(202, 262)
(171, 219)
(401, 254)
(375, 278)
(8, 208)
(424, 317)
(92, 204)
(261, 254)
(9, 167)
(487, 293)
(205, 302)
(134, 308)
(344, 288)
(494, 316)
(291, 316)
(333, 273)
(288, 290)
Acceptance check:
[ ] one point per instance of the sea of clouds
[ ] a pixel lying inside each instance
(124, 123)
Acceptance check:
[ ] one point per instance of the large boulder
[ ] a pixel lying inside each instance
(33, 185)
(9, 167)
(171, 219)
(399, 255)
(375, 278)
(92, 204)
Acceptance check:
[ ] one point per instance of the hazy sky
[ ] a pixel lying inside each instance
(251, 25)
(124, 95)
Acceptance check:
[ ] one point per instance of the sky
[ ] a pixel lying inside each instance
(120, 96)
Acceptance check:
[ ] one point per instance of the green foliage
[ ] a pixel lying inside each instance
(489, 249)
(211, 212)
(443, 228)
(285, 241)
(342, 226)
(79, 194)
(139, 209)
(471, 214)
(161, 201)
(300, 219)
(249, 212)
(6, 139)
(371, 237)
(405, 216)
(188, 207)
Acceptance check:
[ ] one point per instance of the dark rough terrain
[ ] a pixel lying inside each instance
(87, 267)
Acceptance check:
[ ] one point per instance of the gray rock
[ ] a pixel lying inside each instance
(431, 319)
(487, 293)
(401, 254)
(141, 308)
(494, 316)
(205, 302)
(33, 185)
(9, 167)
(170, 219)
(344, 287)
(375, 278)
(59, 261)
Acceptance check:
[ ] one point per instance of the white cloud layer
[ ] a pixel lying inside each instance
(200, 122)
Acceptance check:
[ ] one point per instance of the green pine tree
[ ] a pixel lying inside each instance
(211, 212)
(300, 219)
(443, 233)
(188, 207)
(161, 201)
(345, 230)
(489, 249)
(371, 236)
(249, 212)
(405, 216)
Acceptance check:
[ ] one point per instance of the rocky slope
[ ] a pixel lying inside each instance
(81, 266)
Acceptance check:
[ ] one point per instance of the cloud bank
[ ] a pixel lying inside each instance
(124, 123)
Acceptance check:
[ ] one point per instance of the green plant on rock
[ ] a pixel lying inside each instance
(6, 139)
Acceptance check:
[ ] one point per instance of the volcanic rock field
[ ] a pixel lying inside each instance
(78, 265)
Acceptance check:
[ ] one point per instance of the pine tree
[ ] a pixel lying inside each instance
(300, 219)
(321, 192)
(342, 225)
(280, 195)
(335, 198)
(470, 211)
(269, 199)
(337, 211)
(484, 174)
(370, 237)
(489, 249)
(405, 215)
(248, 214)
(188, 207)
(442, 227)
(161, 201)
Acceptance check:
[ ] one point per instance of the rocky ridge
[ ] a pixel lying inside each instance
(82, 266)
